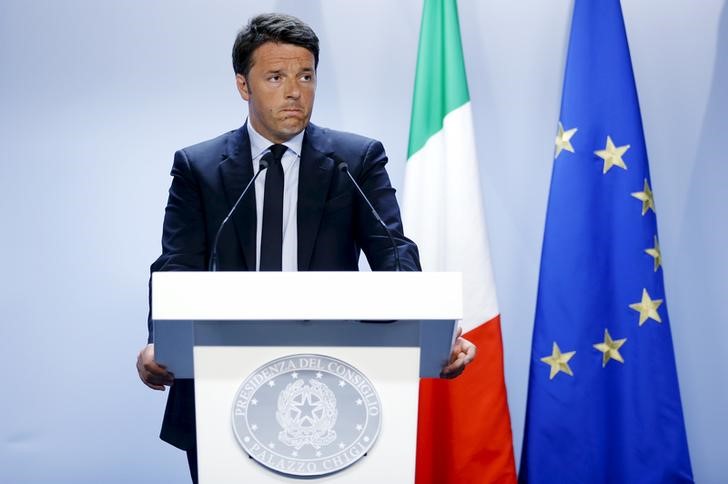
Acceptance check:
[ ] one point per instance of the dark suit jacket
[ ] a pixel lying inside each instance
(334, 224)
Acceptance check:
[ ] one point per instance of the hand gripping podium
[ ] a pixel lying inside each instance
(305, 375)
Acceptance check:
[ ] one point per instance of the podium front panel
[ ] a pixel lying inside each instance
(221, 370)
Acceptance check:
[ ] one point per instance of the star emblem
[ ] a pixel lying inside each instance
(319, 374)
(558, 361)
(307, 409)
(272, 383)
(254, 402)
(646, 196)
(610, 348)
(359, 427)
(656, 254)
(647, 308)
(612, 155)
(294, 375)
(358, 401)
(254, 427)
(563, 140)
(341, 445)
(342, 383)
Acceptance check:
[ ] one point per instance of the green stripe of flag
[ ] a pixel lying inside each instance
(440, 82)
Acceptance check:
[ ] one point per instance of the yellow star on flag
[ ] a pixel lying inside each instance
(610, 348)
(563, 140)
(612, 155)
(646, 196)
(655, 252)
(647, 308)
(558, 361)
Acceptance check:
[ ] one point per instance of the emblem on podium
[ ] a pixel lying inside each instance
(306, 415)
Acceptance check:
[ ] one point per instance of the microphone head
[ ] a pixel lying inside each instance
(341, 165)
(265, 161)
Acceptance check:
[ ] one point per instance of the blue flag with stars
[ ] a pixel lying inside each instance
(603, 398)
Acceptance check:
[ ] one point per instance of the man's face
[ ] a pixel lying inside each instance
(280, 89)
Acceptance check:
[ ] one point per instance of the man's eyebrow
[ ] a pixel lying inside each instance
(280, 72)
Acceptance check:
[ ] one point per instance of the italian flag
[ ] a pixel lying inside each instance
(464, 433)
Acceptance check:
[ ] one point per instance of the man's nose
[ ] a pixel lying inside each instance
(292, 90)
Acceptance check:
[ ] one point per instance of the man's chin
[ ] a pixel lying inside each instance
(292, 129)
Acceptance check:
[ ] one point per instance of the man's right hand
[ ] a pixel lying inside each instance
(154, 375)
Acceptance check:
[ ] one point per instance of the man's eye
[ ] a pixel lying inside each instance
(275, 78)
(306, 77)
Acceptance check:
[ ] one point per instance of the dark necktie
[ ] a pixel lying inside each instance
(271, 244)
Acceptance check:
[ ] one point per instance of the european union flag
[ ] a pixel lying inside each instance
(603, 397)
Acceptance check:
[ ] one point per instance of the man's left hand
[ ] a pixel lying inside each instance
(463, 352)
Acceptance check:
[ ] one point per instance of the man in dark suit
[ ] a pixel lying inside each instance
(303, 213)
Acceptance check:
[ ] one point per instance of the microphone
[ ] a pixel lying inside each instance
(262, 165)
(343, 167)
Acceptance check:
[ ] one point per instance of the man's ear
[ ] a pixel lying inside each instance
(242, 85)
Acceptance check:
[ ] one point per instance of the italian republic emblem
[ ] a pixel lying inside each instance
(306, 415)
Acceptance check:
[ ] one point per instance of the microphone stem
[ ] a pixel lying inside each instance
(212, 266)
(397, 265)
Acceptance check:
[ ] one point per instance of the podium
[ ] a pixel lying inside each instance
(305, 375)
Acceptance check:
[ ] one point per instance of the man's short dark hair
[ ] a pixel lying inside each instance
(271, 27)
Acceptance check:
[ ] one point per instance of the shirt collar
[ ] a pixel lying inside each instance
(259, 144)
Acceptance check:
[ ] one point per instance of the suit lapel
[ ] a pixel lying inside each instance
(236, 170)
(314, 178)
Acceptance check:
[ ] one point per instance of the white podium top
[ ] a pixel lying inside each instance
(306, 295)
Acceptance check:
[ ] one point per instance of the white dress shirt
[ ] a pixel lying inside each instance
(291, 163)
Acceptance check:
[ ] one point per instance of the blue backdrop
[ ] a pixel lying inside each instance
(96, 96)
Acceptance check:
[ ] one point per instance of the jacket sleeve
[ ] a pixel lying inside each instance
(370, 236)
(184, 242)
